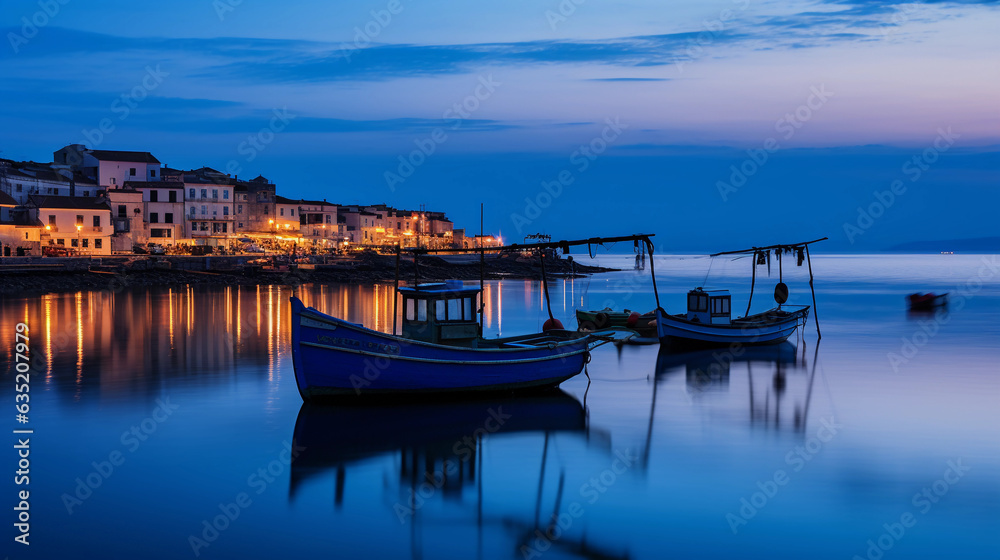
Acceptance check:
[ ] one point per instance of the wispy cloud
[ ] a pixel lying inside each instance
(247, 59)
(629, 79)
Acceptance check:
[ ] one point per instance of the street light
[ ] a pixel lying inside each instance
(78, 228)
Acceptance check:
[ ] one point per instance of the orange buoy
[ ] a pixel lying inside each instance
(552, 324)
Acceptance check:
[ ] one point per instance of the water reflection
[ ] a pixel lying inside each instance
(438, 470)
(705, 433)
(128, 342)
(429, 438)
(779, 379)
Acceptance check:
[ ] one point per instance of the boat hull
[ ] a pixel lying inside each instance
(676, 331)
(335, 358)
(926, 302)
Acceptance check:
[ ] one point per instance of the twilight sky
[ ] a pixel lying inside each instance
(713, 123)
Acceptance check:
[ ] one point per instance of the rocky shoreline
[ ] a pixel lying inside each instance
(363, 269)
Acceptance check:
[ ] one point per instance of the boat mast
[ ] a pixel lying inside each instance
(545, 286)
(482, 272)
(395, 289)
(819, 335)
(652, 269)
(803, 245)
(542, 247)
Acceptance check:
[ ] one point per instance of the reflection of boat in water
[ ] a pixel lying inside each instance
(436, 453)
(708, 368)
(708, 372)
(423, 433)
(713, 360)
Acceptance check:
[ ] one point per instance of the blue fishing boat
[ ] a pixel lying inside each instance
(441, 349)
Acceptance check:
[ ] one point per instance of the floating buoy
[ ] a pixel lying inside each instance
(552, 324)
(633, 318)
(781, 293)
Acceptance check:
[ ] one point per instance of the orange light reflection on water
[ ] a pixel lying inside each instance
(132, 339)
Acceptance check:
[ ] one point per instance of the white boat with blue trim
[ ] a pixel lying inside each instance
(708, 321)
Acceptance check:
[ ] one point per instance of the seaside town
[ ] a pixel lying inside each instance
(105, 202)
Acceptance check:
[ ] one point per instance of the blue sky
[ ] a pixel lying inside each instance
(708, 122)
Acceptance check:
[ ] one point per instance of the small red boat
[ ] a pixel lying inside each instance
(926, 302)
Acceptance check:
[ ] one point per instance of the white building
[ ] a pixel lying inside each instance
(111, 168)
(163, 209)
(241, 208)
(80, 224)
(208, 208)
(286, 219)
(126, 219)
(19, 235)
(21, 179)
(317, 222)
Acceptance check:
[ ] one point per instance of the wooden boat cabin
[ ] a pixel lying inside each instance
(441, 313)
(709, 306)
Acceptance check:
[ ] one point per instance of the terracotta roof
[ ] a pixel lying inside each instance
(7, 200)
(116, 155)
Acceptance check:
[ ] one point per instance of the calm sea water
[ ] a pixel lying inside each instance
(165, 420)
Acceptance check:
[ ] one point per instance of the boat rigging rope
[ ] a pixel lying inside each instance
(711, 261)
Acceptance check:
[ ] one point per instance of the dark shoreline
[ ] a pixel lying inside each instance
(120, 274)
